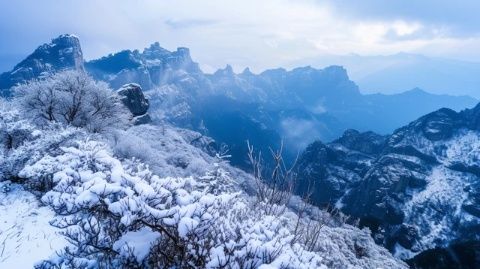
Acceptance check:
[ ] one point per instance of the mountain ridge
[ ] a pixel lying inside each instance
(417, 189)
(297, 105)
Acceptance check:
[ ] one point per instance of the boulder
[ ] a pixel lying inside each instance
(133, 98)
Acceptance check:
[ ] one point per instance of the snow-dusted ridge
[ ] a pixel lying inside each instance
(417, 188)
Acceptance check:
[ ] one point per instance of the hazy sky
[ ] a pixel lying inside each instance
(255, 33)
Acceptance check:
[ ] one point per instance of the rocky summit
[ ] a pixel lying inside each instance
(152, 67)
(63, 52)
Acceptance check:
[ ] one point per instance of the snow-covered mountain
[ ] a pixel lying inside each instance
(296, 106)
(63, 52)
(417, 188)
(153, 67)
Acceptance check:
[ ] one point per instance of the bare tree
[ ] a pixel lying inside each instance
(274, 188)
(73, 98)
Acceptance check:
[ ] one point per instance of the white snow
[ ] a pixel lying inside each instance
(26, 236)
(138, 243)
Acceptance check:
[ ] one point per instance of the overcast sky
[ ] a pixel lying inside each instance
(259, 34)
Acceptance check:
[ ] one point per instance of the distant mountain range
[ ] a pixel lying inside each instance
(397, 72)
(297, 106)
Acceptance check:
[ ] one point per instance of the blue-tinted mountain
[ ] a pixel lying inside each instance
(153, 67)
(63, 52)
(398, 72)
(297, 106)
(417, 189)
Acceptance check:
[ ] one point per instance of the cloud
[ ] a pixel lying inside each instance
(299, 133)
(259, 34)
(178, 24)
(461, 17)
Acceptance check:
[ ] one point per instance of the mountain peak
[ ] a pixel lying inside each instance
(247, 72)
(65, 37)
(183, 53)
(155, 51)
(416, 90)
(228, 68)
(227, 71)
(337, 71)
(63, 52)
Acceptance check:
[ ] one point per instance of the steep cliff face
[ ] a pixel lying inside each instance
(63, 52)
(417, 189)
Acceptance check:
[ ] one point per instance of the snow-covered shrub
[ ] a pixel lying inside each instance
(22, 142)
(105, 201)
(73, 98)
(119, 214)
(160, 147)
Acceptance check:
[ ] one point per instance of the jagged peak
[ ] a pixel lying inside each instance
(416, 90)
(65, 36)
(366, 142)
(65, 40)
(337, 70)
(66, 44)
(155, 51)
(306, 68)
(183, 52)
(247, 72)
(275, 71)
(228, 68)
(227, 71)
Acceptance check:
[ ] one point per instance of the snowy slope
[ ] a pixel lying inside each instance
(117, 211)
(26, 235)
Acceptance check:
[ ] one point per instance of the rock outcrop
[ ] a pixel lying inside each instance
(133, 98)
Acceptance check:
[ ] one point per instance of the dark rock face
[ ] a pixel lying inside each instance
(465, 255)
(64, 52)
(384, 188)
(133, 98)
(368, 142)
(330, 170)
(416, 189)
